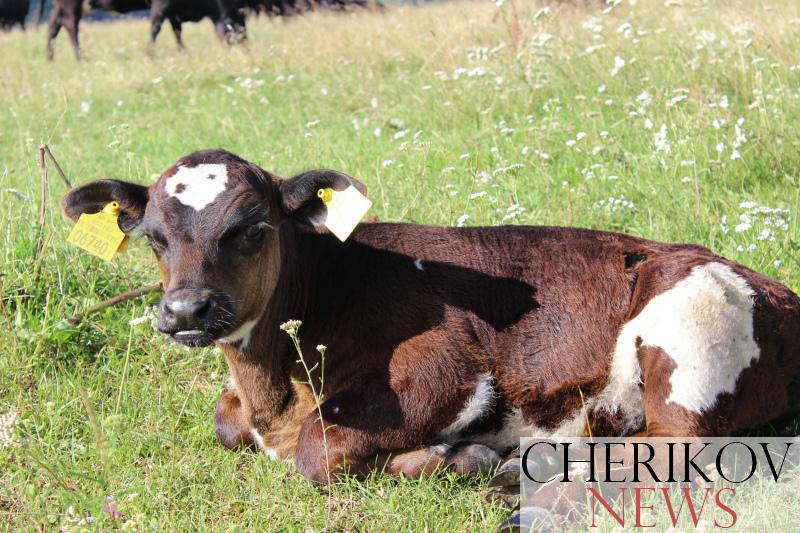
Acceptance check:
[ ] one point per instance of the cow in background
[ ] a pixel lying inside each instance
(68, 13)
(13, 12)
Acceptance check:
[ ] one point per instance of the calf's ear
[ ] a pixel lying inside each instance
(299, 198)
(94, 196)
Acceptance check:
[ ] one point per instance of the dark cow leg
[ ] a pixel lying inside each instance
(156, 20)
(53, 27)
(176, 29)
(230, 424)
(71, 25)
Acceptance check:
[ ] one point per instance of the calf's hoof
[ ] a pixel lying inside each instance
(529, 519)
(504, 487)
(472, 459)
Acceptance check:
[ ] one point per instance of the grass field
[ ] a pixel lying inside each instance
(675, 121)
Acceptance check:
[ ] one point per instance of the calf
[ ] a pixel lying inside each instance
(68, 13)
(12, 13)
(443, 336)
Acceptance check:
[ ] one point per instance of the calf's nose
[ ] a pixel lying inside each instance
(188, 309)
(184, 311)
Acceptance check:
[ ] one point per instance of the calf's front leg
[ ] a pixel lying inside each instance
(346, 450)
(230, 424)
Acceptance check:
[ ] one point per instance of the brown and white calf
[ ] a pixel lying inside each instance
(443, 336)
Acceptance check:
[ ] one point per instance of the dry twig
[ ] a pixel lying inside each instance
(147, 289)
(52, 158)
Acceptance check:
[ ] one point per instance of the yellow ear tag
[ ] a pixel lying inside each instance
(99, 233)
(345, 210)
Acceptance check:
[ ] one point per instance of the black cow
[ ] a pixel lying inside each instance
(13, 12)
(67, 13)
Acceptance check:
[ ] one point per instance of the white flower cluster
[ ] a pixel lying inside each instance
(8, 421)
(615, 204)
(291, 326)
(150, 315)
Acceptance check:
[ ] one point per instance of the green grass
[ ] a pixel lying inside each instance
(394, 99)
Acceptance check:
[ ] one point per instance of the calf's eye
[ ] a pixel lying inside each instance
(156, 244)
(253, 232)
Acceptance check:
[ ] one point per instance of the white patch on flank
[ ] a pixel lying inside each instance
(476, 406)
(242, 333)
(418, 264)
(705, 324)
(198, 189)
(271, 453)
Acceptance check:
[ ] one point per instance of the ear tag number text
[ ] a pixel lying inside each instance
(345, 210)
(99, 233)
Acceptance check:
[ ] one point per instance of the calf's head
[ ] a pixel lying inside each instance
(212, 221)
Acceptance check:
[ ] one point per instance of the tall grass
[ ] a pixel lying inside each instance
(674, 120)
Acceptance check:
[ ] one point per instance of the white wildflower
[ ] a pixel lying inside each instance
(477, 195)
(615, 204)
(742, 227)
(543, 12)
(513, 212)
(541, 39)
(513, 166)
(7, 423)
(461, 220)
(376, 132)
(291, 326)
(676, 99)
(661, 142)
(321, 348)
(765, 235)
(618, 64)
(644, 98)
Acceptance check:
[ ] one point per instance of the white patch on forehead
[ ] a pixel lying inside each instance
(476, 406)
(271, 453)
(242, 333)
(197, 186)
(705, 324)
